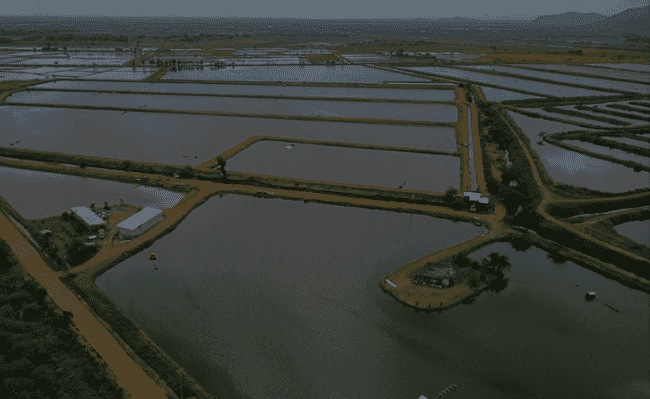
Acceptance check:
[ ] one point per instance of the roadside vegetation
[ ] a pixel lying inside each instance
(42, 353)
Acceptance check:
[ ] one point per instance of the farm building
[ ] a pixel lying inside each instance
(141, 221)
(87, 217)
(435, 276)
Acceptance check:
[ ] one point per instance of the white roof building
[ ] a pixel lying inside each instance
(139, 218)
(472, 195)
(88, 216)
(139, 222)
(483, 200)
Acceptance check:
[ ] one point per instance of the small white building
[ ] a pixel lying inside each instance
(141, 221)
(88, 217)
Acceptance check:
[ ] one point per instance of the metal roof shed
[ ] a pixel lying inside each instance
(139, 218)
(89, 217)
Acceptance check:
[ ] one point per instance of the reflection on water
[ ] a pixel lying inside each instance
(283, 296)
(638, 231)
(576, 169)
(290, 73)
(39, 194)
(266, 90)
(263, 106)
(166, 138)
(391, 169)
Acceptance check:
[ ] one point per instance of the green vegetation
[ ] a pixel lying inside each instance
(65, 245)
(41, 352)
(489, 270)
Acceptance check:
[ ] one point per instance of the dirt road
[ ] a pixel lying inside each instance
(131, 377)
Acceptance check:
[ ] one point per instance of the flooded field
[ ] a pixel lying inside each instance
(638, 231)
(593, 82)
(492, 94)
(576, 169)
(262, 106)
(625, 140)
(121, 75)
(598, 114)
(316, 73)
(605, 72)
(75, 61)
(389, 169)
(5, 76)
(38, 194)
(570, 118)
(598, 149)
(167, 138)
(261, 90)
(288, 306)
(509, 82)
(629, 67)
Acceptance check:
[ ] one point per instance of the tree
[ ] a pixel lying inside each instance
(106, 206)
(121, 202)
(92, 205)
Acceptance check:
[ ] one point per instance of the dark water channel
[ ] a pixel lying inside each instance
(283, 297)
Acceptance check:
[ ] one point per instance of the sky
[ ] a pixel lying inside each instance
(321, 9)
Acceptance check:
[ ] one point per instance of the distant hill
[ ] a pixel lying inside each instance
(632, 21)
(569, 18)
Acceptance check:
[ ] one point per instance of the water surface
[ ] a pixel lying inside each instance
(316, 73)
(262, 106)
(178, 139)
(593, 82)
(293, 91)
(287, 304)
(576, 169)
(350, 165)
(613, 152)
(492, 94)
(638, 231)
(40, 194)
(606, 72)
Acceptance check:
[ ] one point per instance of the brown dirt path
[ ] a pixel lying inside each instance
(131, 377)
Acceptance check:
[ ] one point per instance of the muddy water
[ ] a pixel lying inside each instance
(492, 94)
(638, 231)
(613, 152)
(167, 138)
(75, 61)
(286, 305)
(350, 165)
(557, 77)
(252, 90)
(513, 83)
(262, 106)
(340, 73)
(576, 169)
(6, 76)
(38, 194)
